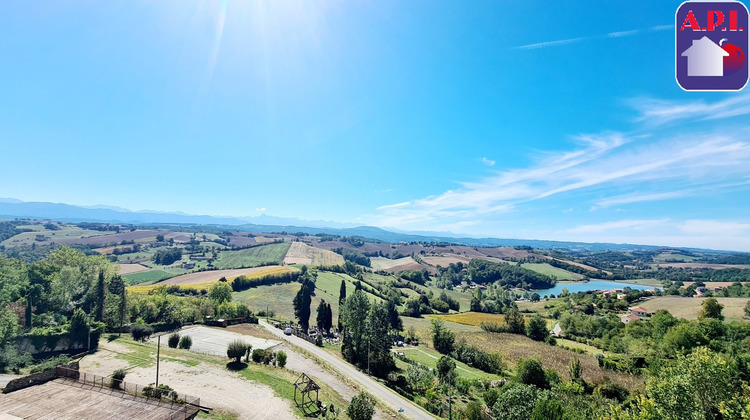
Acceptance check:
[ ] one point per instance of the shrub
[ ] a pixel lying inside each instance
(236, 349)
(362, 407)
(141, 332)
(281, 358)
(50, 363)
(537, 329)
(262, 356)
(547, 409)
(531, 372)
(186, 342)
(117, 377)
(491, 397)
(174, 340)
(516, 402)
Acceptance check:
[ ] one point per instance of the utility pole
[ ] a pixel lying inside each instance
(266, 313)
(368, 356)
(158, 349)
(450, 399)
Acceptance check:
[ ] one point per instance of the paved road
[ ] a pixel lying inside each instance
(386, 395)
(4, 379)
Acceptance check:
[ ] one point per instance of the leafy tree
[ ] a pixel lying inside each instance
(302, 303)
(174, 340)
(575, 370)
(491, 396)
(141, 332)
(281, 358)
(379, 357)
(413, 307)
(362, 407)
(514, 320)
(516, 402)
(236, 349)
(442, 337)
(100, 293)
(354, 314)
(548, 409)
(535, 297)
(186, 342)
(537, 329)
(446, 368)
(117, 288)
(79, 326)
(474, 411)
(712, 309)
(324, 318)
(220, 293)
(698, 386)
(531, 372)
(419, 378)
(394, 318)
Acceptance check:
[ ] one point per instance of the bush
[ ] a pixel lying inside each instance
(50, 364)
(117, 377)
(141, 332)
(186, 342)
(516, 402)
(262, 356)
(547, 409)
(236, 349)
(281, 358)
(362, 407)
(531, 372)
(174, 340)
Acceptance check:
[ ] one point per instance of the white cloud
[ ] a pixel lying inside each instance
(657, 112)
(637, 225)
(714, 228)
(488, 162)
(620, 34)
(261, 209)
(639, 198)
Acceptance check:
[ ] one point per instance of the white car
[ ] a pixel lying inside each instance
(288, 331)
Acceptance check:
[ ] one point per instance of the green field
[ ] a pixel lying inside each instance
(548, 270)
(643, 282)
(428, 358)
(688, 307)
(669, 256)
(149, 276)
(252, 257)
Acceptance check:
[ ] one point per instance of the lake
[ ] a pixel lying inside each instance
(591, 285)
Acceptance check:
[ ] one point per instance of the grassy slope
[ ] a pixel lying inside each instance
(548, 270)
(252, 257)
(688, 308)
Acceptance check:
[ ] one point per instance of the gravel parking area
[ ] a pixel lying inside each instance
(214, 341)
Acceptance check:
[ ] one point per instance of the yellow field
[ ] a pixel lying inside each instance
(301, 253)
(471, 318)
(207, 284)
(688, 308)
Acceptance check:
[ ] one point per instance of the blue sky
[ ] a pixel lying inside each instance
(488, 118)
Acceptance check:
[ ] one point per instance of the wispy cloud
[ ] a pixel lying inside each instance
(620, 34)
(714, 228)
(618, 225)
(488, 162)
(261, 209)
(606, 161)
(657, 112)
(387, 190)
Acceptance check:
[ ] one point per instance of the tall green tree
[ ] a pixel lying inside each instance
(342, 292)
(537, 328)
(514, 320)
(712, 309)
(393, 316)
(220, 292)
(324, 318)
(442, 337)
(302, 303)
(100, 295)
(378, 356)
(354, 316)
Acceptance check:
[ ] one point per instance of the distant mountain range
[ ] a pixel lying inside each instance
(11, 208)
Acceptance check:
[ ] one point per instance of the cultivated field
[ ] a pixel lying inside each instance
(471, 318)
(66, 234)
(445, 260)
(549, 270)
(252, 257)
(301, 253)
(131, 268)
(700, 265)
(400, 264)
(146, 276)
(688, 307)
(513, 347)
(214, 275)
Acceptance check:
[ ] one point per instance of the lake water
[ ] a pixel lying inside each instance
(591, 285)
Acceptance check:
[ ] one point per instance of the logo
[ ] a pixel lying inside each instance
(711, 45)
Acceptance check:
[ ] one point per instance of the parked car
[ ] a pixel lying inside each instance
(288, 331)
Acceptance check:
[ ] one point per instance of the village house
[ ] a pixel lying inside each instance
(557, 331)
(628, 318)
(639, 311)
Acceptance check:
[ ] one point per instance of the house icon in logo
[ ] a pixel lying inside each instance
(705, 58)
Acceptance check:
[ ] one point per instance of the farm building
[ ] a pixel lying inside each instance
(628, 318)
(67, 394)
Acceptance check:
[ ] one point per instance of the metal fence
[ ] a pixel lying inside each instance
(183, 406)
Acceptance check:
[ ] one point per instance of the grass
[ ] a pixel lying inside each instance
(429, 358)
(548, 270)
(149, 276)
(281, 381)
(471, 318)
(643, 282)
(207, 284)
(252, 257)
(688, 308)
(66, 232)
(513, 347)
(676, 256)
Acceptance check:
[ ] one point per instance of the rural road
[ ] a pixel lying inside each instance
(380, 391)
